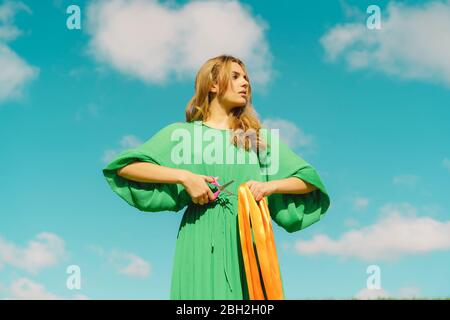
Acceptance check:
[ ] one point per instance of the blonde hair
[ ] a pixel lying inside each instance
(243, 119)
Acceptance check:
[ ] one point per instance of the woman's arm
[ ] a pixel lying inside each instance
(292, 185)
(195, 184)
(153, 173)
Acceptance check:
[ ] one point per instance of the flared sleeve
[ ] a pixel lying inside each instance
(150, 197)
(293, 212)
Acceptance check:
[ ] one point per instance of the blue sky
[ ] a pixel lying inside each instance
(368, 109)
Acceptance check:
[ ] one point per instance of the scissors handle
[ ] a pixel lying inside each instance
(215, 187)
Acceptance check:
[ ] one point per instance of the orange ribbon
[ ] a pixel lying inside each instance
(255, 218)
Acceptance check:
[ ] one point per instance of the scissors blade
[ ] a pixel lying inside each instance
(226, 185)
(228, 192)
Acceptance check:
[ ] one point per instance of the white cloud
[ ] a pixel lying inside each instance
(446, 163)
(290, 133)
(408, 292)
(25, 289)
(97, 250)
(126, 142)
(351, 11)
(403, 293)
(371, 294)
(406, 180)
(89, 111)
(8, 11)
(135, 266)
(360, 203)
(109, 155)
(129, 141)
(413, 42)
(15, 71)
(126, 263)
(8, 32)
(351, 223)
(3, 289)
(150, 40)
(45, 251)
(398, 232)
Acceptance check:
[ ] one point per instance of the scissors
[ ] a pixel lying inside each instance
(215, 185)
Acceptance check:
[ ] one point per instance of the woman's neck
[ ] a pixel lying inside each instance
(218, 117)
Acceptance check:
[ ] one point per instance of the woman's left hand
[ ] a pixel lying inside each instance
(261, 189)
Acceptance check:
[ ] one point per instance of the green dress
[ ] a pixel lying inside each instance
(208, 261)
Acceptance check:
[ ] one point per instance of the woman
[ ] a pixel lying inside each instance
(172, 169)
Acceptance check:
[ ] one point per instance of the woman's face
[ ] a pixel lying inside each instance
(236, 94)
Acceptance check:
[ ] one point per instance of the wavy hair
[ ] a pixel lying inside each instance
(244, 121)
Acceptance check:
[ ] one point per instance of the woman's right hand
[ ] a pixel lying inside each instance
(196, 186)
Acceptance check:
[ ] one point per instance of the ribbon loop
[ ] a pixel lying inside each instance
(265, 264)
